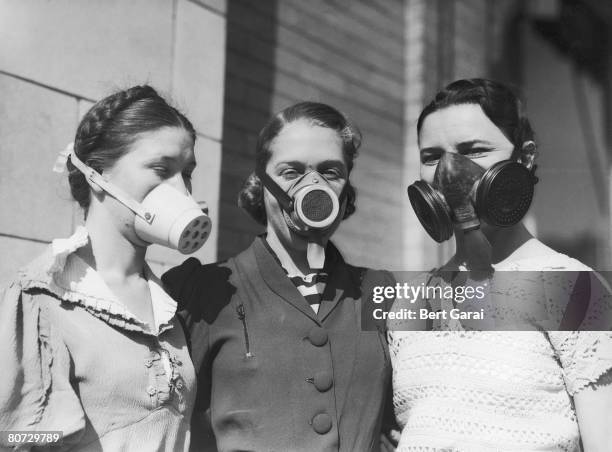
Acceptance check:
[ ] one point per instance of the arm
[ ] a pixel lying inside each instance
(36, 393)
(586, 358)
(201, 292)
(594, 411)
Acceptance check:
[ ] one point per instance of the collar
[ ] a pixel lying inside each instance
(308, 277)
(61, 272)
(276, 279)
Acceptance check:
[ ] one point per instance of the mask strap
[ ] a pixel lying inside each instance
(281, 196)
(121, 196)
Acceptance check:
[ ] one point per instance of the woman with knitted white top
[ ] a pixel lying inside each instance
(493, 390)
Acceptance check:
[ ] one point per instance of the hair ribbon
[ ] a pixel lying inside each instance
(62, 158)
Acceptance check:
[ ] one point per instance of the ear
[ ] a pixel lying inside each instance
(528, 154)
(87, 172)
(95, 188)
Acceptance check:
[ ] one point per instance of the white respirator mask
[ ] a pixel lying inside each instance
(165, 216)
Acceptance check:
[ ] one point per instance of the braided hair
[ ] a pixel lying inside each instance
(112, 125)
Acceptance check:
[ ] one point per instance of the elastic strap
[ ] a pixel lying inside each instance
(283, 198)
(121, 196)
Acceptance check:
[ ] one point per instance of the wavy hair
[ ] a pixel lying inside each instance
(251, 196)
(498, 102)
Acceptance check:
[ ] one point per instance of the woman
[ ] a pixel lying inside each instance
(493, 390)
(91, 345)
(276, 331)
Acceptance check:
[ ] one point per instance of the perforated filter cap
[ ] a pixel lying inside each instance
(194, 235)
(505, 193)
(317, 206)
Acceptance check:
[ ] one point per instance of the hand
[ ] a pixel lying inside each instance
(389, 440)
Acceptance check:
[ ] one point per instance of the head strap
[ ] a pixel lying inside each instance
(281, 196)
(93, 176)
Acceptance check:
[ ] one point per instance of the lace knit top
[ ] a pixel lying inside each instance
(495, 391)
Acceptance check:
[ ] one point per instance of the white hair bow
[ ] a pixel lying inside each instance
(62, 159)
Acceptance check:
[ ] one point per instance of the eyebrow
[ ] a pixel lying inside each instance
(331, 162)
(289, 163)
(324, 163)
(470, 143)
(168, 159)
(460, 146)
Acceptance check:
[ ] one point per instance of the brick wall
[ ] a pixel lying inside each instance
(55, 61)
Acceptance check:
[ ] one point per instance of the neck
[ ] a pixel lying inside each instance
(502, 243)
(109, 252)
(293, 259)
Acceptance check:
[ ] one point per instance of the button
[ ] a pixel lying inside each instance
(317, 336)
(151, 390)
(323, 380)
(179, 385)
(322, 423)
(148, 362)
(176, 361)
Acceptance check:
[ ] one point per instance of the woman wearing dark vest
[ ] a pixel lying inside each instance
(276, 337)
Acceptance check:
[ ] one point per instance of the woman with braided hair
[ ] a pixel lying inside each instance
(90, 344)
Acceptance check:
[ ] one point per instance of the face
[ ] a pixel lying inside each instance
(162, 156)
(462, 129)
(299, 148)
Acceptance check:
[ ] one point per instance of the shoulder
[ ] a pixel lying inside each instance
(201, 290)
(537, 256)
(359, 275)
(51, 263)
(371, 276)
(10, 295)
(192, 277)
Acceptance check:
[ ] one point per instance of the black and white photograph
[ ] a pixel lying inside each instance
(325, 225)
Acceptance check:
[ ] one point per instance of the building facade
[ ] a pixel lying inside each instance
(230, 65)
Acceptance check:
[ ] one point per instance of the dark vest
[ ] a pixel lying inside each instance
(275, 374)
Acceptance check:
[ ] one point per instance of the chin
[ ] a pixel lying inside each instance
(138, 242)
(133, 238)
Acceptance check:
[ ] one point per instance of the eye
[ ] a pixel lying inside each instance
(332, 174)
(290, 173)
(162, 171)
(476, 152)
(430, 157)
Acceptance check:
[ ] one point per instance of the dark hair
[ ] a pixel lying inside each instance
(250, 197)
(112, 125)
(501, 105)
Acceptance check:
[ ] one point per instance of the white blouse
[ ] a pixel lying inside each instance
(495, 390)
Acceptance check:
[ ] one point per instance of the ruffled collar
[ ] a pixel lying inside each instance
(64, 274)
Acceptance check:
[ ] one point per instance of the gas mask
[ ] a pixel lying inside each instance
(165, 216)
(309, 207)
(463, 194)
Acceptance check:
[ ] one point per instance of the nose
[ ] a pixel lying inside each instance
(203, 206)
(178, 182)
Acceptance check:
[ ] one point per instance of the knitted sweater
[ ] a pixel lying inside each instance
(479, 391)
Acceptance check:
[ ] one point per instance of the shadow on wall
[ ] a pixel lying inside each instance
(249, 80)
